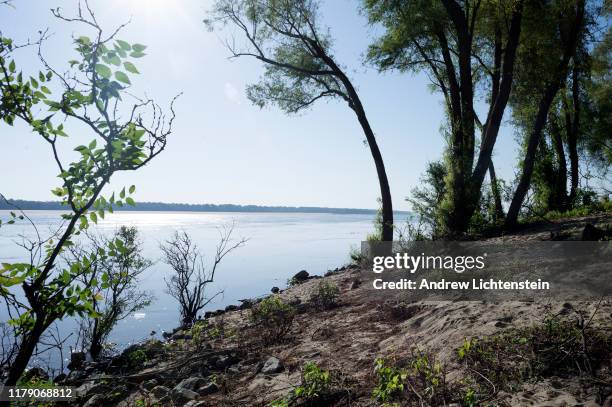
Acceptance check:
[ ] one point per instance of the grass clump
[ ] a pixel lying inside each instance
(273, 317)
(325, 295)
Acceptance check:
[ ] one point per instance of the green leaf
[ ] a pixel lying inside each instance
(122, 194)
(12, 67)
(103, 70)
(115, 60)
(139, 47)
(130, 67)
(132, 189)
(124, 45)
(137, 54)
(130, 201)
(93, 217)
(45, 90)
(122, 77)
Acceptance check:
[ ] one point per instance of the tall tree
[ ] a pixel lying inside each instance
(555, 30)
(300, 67)
(129, 137)
(597, 97)
(458, 44)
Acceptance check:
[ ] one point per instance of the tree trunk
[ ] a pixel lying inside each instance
(385, 190)
(572, 135)
(499, 209)
(560, 188)
(26, 349)
(95, 347)
(528, 162)
(499, 101)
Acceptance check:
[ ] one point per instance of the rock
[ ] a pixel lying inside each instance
(210, 388)
(83, 390)
(246, 304)
(301, 276)
(295, 302)
(60, 378)
(355, 283)
(76, 360)
(222, 362)
(180, 393)
(567, 309)
(97, 400)
(302, 308)
(75, 375)
(272, 365)
(191, 383)
(160, 392)
(592, 233)
(209, 314)
(181, 335)
(231, 308)
(195, 403)
(275, 290)
(149, 384)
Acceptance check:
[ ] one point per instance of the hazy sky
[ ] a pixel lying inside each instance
(223, 149)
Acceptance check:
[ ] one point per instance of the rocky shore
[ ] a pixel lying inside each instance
(321, 341)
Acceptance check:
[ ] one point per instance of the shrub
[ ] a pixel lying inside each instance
(391, 381)
(420, 374)
(198, 333)
(274, 317)
(318, 387)
(499, 359)
(557, 346)
(325, 296)
(315, 383)
(357, 258)
(137, 358)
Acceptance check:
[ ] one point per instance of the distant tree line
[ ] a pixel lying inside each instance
(9, 204)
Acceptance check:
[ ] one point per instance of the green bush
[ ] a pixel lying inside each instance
(325, 295)
(315, 383)
(419, 376)
(137, 358)
(274, 317)
(316, 389)
(391, 381)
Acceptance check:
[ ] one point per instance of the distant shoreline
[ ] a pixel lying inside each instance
(182, 207)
